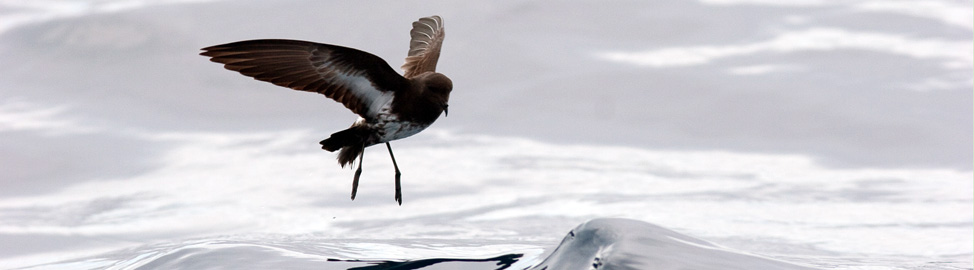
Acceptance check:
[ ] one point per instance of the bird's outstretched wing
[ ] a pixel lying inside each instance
(359, 80)
(424, 46)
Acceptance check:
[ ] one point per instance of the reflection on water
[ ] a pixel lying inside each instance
(246, 256)
(501, 262)
(270, 254)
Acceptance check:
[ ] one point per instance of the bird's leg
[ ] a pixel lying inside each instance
(358, 172)
(398, 184)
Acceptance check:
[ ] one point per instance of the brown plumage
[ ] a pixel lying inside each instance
(390, 106)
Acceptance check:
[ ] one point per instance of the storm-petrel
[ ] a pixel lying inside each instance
(390, 106)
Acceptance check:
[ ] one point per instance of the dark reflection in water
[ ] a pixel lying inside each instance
(503, 262)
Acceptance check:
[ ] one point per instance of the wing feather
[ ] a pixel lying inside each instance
(424, 46)
(359, 80)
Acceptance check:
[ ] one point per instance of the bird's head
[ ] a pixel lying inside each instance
(438, 86)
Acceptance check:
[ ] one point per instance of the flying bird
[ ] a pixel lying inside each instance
(390, 106)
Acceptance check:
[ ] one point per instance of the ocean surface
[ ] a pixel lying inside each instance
(713, 134)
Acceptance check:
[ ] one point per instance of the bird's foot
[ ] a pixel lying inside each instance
(358, 173)
(398, 189)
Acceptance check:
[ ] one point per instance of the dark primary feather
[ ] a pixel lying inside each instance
(307, 66)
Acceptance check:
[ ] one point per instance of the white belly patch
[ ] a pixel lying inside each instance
(395, 130)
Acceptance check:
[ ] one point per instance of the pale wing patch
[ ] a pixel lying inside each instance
(372, 99)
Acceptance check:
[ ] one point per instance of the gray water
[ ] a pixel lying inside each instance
(824, 134)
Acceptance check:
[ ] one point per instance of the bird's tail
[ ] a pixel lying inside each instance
(351, 142)
(349, 153)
